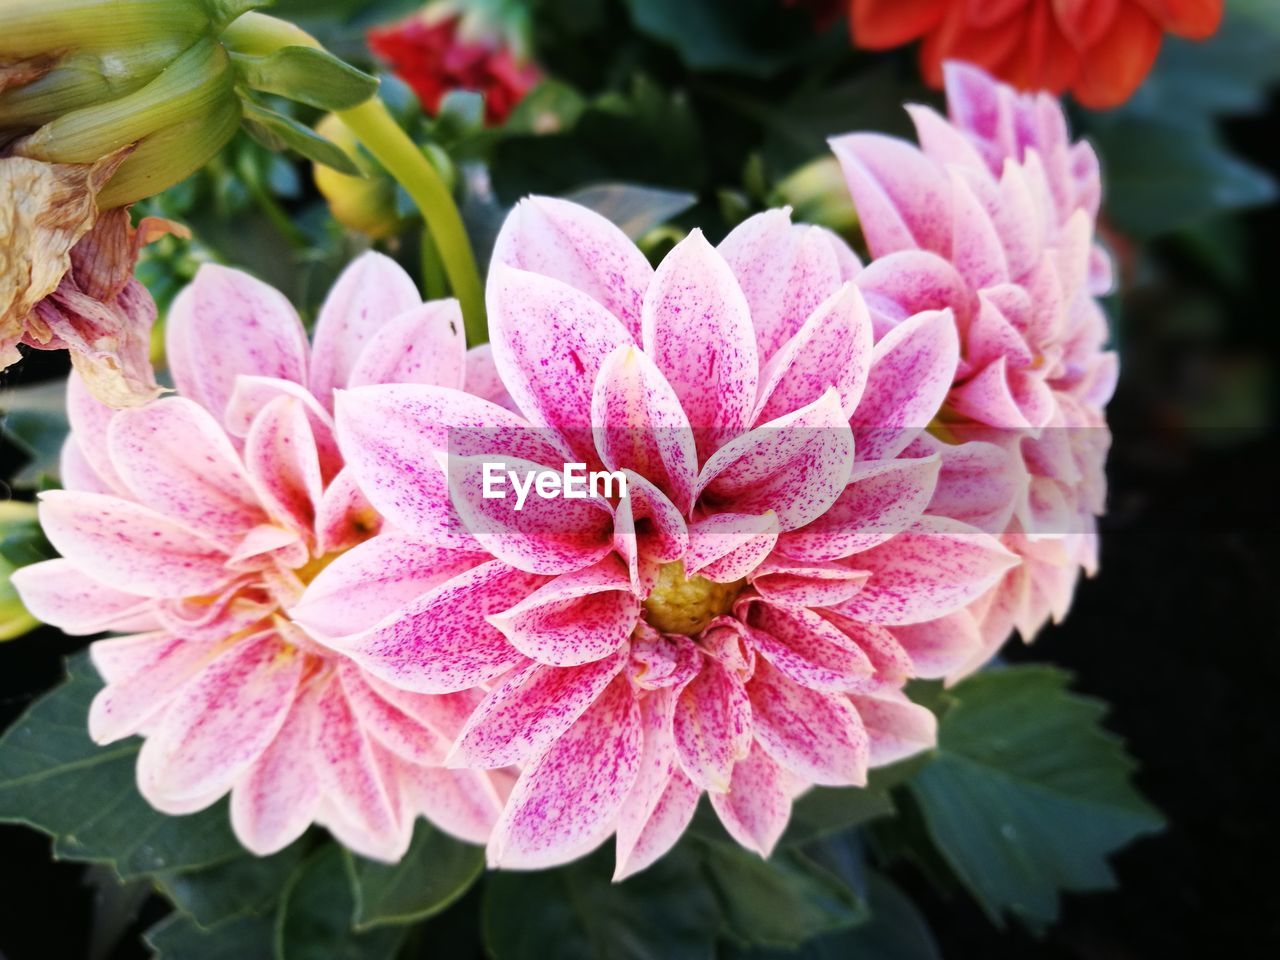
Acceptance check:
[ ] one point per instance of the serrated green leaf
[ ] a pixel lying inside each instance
(825, 810)
(308, 75)
(779, 902)
(1028, 794)
(435, 872)
(633, 208)
(244, 885)
(275, 131)
(317, 910)
(178, 937)
(576, 913)
(54, 778)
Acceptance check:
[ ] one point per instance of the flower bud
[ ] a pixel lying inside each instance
(817, 194)
(364, 204)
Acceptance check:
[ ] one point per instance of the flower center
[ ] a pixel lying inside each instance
(311, 569)
(680, 604)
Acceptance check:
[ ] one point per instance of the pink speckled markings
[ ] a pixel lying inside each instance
(997, 208)
(742, 624)
(191, 524)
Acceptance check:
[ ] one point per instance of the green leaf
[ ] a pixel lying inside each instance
(34, 419)
(1028, 793)
(634, 209)
(307, 75)
(753, 37)
(1163, 173)
(576, 913)
(245, 885)
(435, 872)
(779, 902)
(275, 131)
(315, 920)
(54, 778)
(178, 937)
(896, 930)
(825, 810)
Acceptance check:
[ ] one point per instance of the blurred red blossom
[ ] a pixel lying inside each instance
(434, 56)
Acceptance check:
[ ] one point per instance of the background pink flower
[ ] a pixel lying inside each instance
(1001, 206)
(191, 524)
(740, 624)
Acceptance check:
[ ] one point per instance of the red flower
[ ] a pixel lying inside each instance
(433, 60)
(1098, 49)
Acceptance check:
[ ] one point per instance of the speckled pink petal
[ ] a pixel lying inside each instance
(927, 572)
(807, 648)
(977, 250)
(358, 778)
(665, 826)
(463, 803)
(900, 285)
(219, 723)
(274, 803)
(911, 371)
(546, 535)
(576, 618)
(991, 397)
(226, 324)
(442, 642)
(785, 272)
(529, 710)
(280, 453)
(174, 457)
(757, 806)
(388, 724)
(89, 418)
(566, 802)
(657, 762)
(883, 498)
(370, 292)
(143, 673)
(644, 546)
(75, 471)
(798, 583)
(393, 435)
(941, 141)
(712, 726)
(818, 736)
(831, 350)
(482, 378)
(422, 345)
(795, 466)
(938, 648)
(549, 341)
(697, 328)
(251, 395)
(58, 593)
(890, 660)
(979, 483)
(577, 246)
(901, 195)
(131, 547)
(897, 727)
(346, 517)
(639, 425)
(727, 546)
(376, 578)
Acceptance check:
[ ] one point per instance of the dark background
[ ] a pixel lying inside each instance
(1179, 633)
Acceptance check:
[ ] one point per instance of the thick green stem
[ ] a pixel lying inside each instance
(378, 131)
(434, 282)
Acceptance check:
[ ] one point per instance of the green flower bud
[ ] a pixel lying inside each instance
(817, 194)
(365, 204)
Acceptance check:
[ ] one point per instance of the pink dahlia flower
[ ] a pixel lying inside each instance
(741, 623)
(1001, 205)
(192, 524)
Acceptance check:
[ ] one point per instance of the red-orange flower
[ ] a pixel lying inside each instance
(433, 57)
(1098, 49)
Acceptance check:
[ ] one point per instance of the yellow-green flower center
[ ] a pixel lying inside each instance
(680, 604)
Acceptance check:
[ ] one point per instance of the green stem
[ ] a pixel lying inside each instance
(374, 126)
(434, 282)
